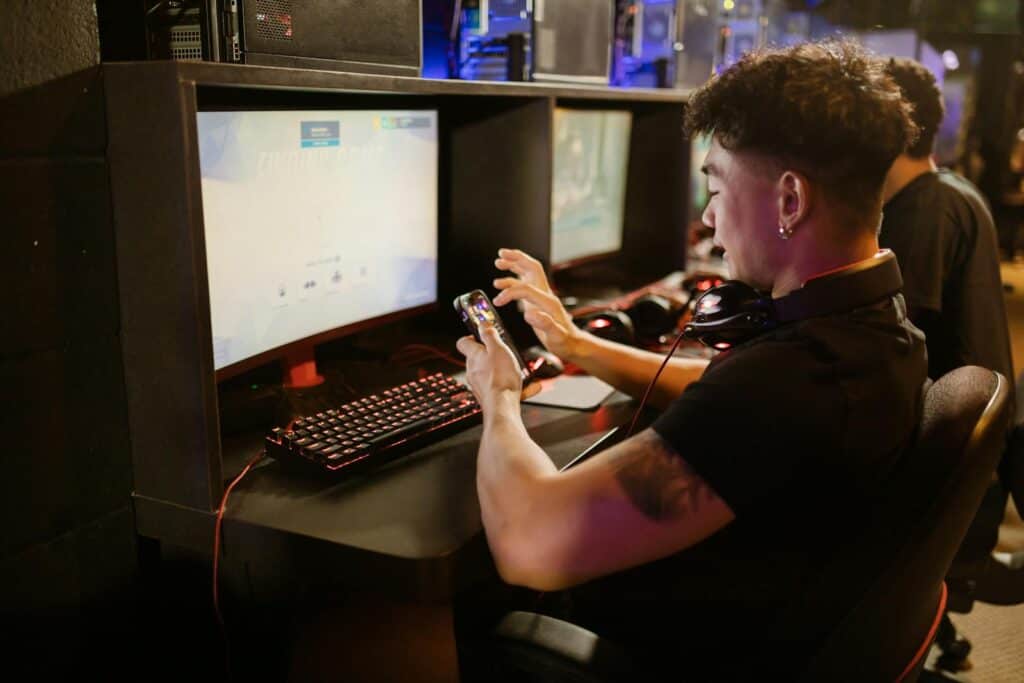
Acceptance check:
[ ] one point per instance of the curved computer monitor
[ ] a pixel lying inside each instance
(317, 224)
(591, 156)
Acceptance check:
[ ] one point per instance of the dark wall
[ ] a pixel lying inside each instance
(67, 548)
(43, 39)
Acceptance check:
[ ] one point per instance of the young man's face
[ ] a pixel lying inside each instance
(743, 211)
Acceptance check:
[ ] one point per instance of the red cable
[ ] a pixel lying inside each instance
(217, 532)
(643, 401)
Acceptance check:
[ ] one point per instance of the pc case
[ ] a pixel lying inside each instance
(572, 40)
(646, 43)
(338, 35)
(492, 40)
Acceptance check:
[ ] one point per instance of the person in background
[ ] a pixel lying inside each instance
(940, 228)
(943, 235)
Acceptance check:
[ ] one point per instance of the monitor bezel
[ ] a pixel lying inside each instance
(587, 259)
(279, 353)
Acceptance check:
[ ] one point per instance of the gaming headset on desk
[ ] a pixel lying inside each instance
(649, 317)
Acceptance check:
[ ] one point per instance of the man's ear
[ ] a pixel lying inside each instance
(794, 200)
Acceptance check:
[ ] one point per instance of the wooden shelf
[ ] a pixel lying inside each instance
(265, 77)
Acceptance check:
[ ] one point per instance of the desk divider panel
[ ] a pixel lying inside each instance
(165, 334)
(497, 161)
(654, 241)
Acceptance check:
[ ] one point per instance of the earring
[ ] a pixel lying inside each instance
(785, 232)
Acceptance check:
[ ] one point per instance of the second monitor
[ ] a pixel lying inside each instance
(591, 157)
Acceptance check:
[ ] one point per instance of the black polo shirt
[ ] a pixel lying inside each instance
(794, 430)
(942, 233)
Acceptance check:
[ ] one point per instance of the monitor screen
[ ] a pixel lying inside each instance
(589, 183)
(314, 221)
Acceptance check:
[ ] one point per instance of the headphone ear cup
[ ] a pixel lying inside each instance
(730, 314)
(653, 316)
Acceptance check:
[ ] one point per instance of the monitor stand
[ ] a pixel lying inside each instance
(299, 367)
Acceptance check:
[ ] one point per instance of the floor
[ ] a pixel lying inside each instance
(997, 633)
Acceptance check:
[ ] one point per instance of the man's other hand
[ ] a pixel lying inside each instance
(541, 308)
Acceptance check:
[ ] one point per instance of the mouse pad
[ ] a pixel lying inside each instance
(581, 392)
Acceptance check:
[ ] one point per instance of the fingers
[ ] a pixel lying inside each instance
(505, 282)
(540, 320)
(495, 344)
(468, 346)
(491, 338)
(515, 267)
(517, 255)
(527, 292)
(530, 390)
(519, 262)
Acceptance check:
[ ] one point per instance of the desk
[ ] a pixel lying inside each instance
(388, 549)
(402, 529)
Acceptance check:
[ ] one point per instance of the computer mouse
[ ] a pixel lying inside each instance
(551, 367)
(612, 325)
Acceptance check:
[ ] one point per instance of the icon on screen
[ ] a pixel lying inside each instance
(280, 295)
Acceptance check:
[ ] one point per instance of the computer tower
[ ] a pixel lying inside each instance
(492, 40)
(338, 35)
(646, 43)
(572, 40)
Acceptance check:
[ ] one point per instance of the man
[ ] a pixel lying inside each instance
(694, 534)
(943, 235)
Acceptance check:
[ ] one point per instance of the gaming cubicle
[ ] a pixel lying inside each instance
(412, 530)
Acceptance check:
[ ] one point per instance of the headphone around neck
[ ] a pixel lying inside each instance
(735, 312)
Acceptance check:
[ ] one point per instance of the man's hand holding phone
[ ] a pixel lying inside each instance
(491, 369)
(493, 364)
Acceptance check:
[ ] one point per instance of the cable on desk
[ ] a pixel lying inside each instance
(643, 401)
(217, 534)
(216, 557)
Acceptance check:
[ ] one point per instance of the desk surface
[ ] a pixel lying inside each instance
(411, 529)
(422, 506)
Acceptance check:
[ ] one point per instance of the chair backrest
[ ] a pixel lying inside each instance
(894, 570)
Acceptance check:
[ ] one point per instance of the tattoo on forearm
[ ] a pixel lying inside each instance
(657, 480)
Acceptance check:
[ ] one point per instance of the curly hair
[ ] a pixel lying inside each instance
(827, 110)
(922, 92)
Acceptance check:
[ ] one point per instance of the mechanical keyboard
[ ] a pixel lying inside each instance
(370, 431)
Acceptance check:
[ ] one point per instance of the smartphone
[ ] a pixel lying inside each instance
(475, 308)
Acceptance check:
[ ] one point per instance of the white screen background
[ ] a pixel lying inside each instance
(301, 240)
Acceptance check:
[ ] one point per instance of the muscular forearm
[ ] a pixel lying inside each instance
(630, 370)
(511, 470)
